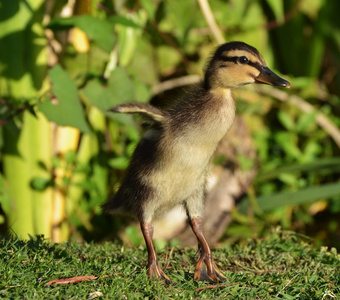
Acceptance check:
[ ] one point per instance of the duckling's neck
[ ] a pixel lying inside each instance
(222, 93)
(207, 117)
(201, 105)
(221, 109)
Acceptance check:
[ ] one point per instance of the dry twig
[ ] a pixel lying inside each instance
(287, 284)
(323, 121)
(77, 279)
(175, 83)
(209, 17)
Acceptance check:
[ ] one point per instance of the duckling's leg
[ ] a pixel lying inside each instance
(153, 269)
(206, 269)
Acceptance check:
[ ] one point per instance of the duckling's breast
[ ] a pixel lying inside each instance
(186, 151)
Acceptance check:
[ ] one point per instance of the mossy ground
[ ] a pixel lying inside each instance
(282, 266)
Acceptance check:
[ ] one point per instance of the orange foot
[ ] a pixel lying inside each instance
(206, 270)
(155, 272)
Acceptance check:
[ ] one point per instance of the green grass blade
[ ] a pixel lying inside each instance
(325, 165)
(310, 194)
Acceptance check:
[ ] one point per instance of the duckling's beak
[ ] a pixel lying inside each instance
(267, 76)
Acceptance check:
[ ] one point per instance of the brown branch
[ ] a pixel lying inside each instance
(77, 279)
(262, 272)
(216, 286)
(209, 17)
(322, 120)
(175, 83)
(18, 111)
(12, 286)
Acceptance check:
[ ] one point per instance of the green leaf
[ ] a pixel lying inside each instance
(61, 23)
(119, 89)
(310, 194)
(100, 31)
(278, 9)
(68, 112)
(311, 150)
(143, 92)
(287, 141)
(24, 51)
(305, 121)
(119, 163)
(311, 8)
(286, 120)
(127, 41)
(325, 165)
(40, 183)
(150, 6)
(168, 58)
(70, 156)
(246, 163)
(123, 21)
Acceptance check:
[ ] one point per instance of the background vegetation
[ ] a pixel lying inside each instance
(63, 64)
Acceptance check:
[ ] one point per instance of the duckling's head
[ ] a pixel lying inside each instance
(235, 64)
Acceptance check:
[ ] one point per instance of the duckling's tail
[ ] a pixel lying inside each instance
(140, 108)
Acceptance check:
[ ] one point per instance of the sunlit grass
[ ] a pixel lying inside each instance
(284, 265)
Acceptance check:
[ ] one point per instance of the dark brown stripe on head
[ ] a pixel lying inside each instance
(256, 65)
(236, 46)
(236, 59)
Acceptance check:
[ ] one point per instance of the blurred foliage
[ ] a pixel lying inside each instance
(107, 52)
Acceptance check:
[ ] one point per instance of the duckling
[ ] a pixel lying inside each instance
(170, 164)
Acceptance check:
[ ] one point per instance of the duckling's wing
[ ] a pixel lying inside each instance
(146, 110)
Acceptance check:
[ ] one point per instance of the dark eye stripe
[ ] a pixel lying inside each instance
(235, 59)
(255, 65)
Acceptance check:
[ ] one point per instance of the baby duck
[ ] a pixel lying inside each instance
(170, 164)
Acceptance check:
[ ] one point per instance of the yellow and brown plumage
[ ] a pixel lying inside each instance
(171, 162)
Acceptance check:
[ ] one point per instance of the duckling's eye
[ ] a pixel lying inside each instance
(243, 60)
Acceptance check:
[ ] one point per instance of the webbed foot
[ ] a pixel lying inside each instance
(207, 270)
(155, 272)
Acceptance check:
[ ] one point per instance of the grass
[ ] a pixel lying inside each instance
(282, 266)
